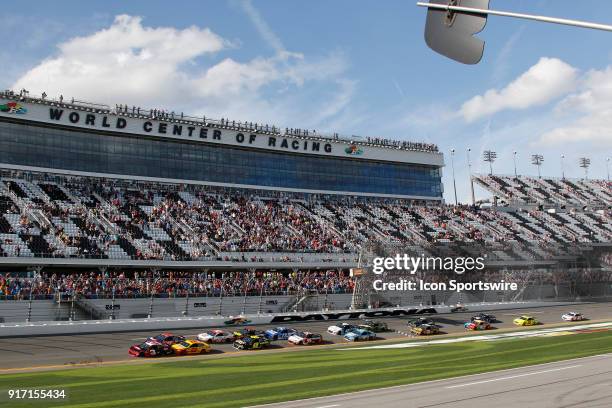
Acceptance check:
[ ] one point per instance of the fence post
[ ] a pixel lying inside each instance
(59, 304)
(325, 302)
(187, 302)
(151, 306)
(71, 318)
(221, 298)
(30, 306)
(112, 316)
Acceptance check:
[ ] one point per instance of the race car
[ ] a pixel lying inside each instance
(572, 317)
(251, 343)
(150, 348)
(425, 330)
(489, 318)
(190, 347)
(477, 325)
(376, 327)
(247, 331)
(235, 321)
(525, 321)
(340, 330)
(305, 338)
(167, 338)
(459, 309)
(420, 321)
(216, 336)
(358, 334)
(279, 333)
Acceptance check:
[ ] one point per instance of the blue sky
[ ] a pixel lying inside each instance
(347, 66)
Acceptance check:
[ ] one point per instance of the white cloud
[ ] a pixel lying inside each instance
(262, 27)
(547, 80)
(130, 63)
(587, 112)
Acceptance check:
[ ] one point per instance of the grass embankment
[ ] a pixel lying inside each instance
(257, 379)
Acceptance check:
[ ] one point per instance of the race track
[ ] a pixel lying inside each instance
(583, 382)
(27, 353)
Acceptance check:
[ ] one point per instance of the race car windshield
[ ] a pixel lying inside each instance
(185, 344)
(143, 346)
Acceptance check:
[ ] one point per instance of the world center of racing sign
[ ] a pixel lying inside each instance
(135, 125)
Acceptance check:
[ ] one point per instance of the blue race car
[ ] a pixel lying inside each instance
(360, 335)
(279, 333)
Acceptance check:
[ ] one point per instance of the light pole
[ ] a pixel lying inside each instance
(514, 159)
(490, 156)
(453, 167)
(562, 167)
(608, 167)
(537, 160)
(469, 161)
(585, 162)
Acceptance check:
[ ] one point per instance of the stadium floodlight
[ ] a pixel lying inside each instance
(469, 163)
(514, 159)
(585, 163)
(563, 167)
(451, 25)
(608, 167)
(489, 156)
(537, 160)
(454, 181)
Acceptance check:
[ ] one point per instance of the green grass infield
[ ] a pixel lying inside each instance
(272, 377)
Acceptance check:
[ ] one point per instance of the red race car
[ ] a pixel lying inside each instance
(150, 349)
(167, 339)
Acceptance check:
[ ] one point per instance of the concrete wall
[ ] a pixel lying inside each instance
(170, 323)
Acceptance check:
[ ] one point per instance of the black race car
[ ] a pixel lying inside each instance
(489, 318)
(251, 343)
(248, 331)
(376, 327)
(419, 321)
(459, 309)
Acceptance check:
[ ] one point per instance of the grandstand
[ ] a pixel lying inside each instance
(559, 192)
(99, 203)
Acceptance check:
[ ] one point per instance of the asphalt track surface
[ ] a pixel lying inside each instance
(583, 382)
(49, 352)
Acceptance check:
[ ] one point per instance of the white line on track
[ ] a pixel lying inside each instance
(329, 406)
(513, 376)
(418, 384)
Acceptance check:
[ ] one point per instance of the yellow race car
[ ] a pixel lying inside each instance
(190, 347)
(425, 330)
(525, 321)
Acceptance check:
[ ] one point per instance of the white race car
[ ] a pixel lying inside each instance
(572, 317)
(303, 338)
(340, 330)
(216, 336)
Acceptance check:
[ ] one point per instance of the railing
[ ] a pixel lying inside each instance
(137, 112)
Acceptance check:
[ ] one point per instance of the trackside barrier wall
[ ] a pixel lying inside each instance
(154, 324)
